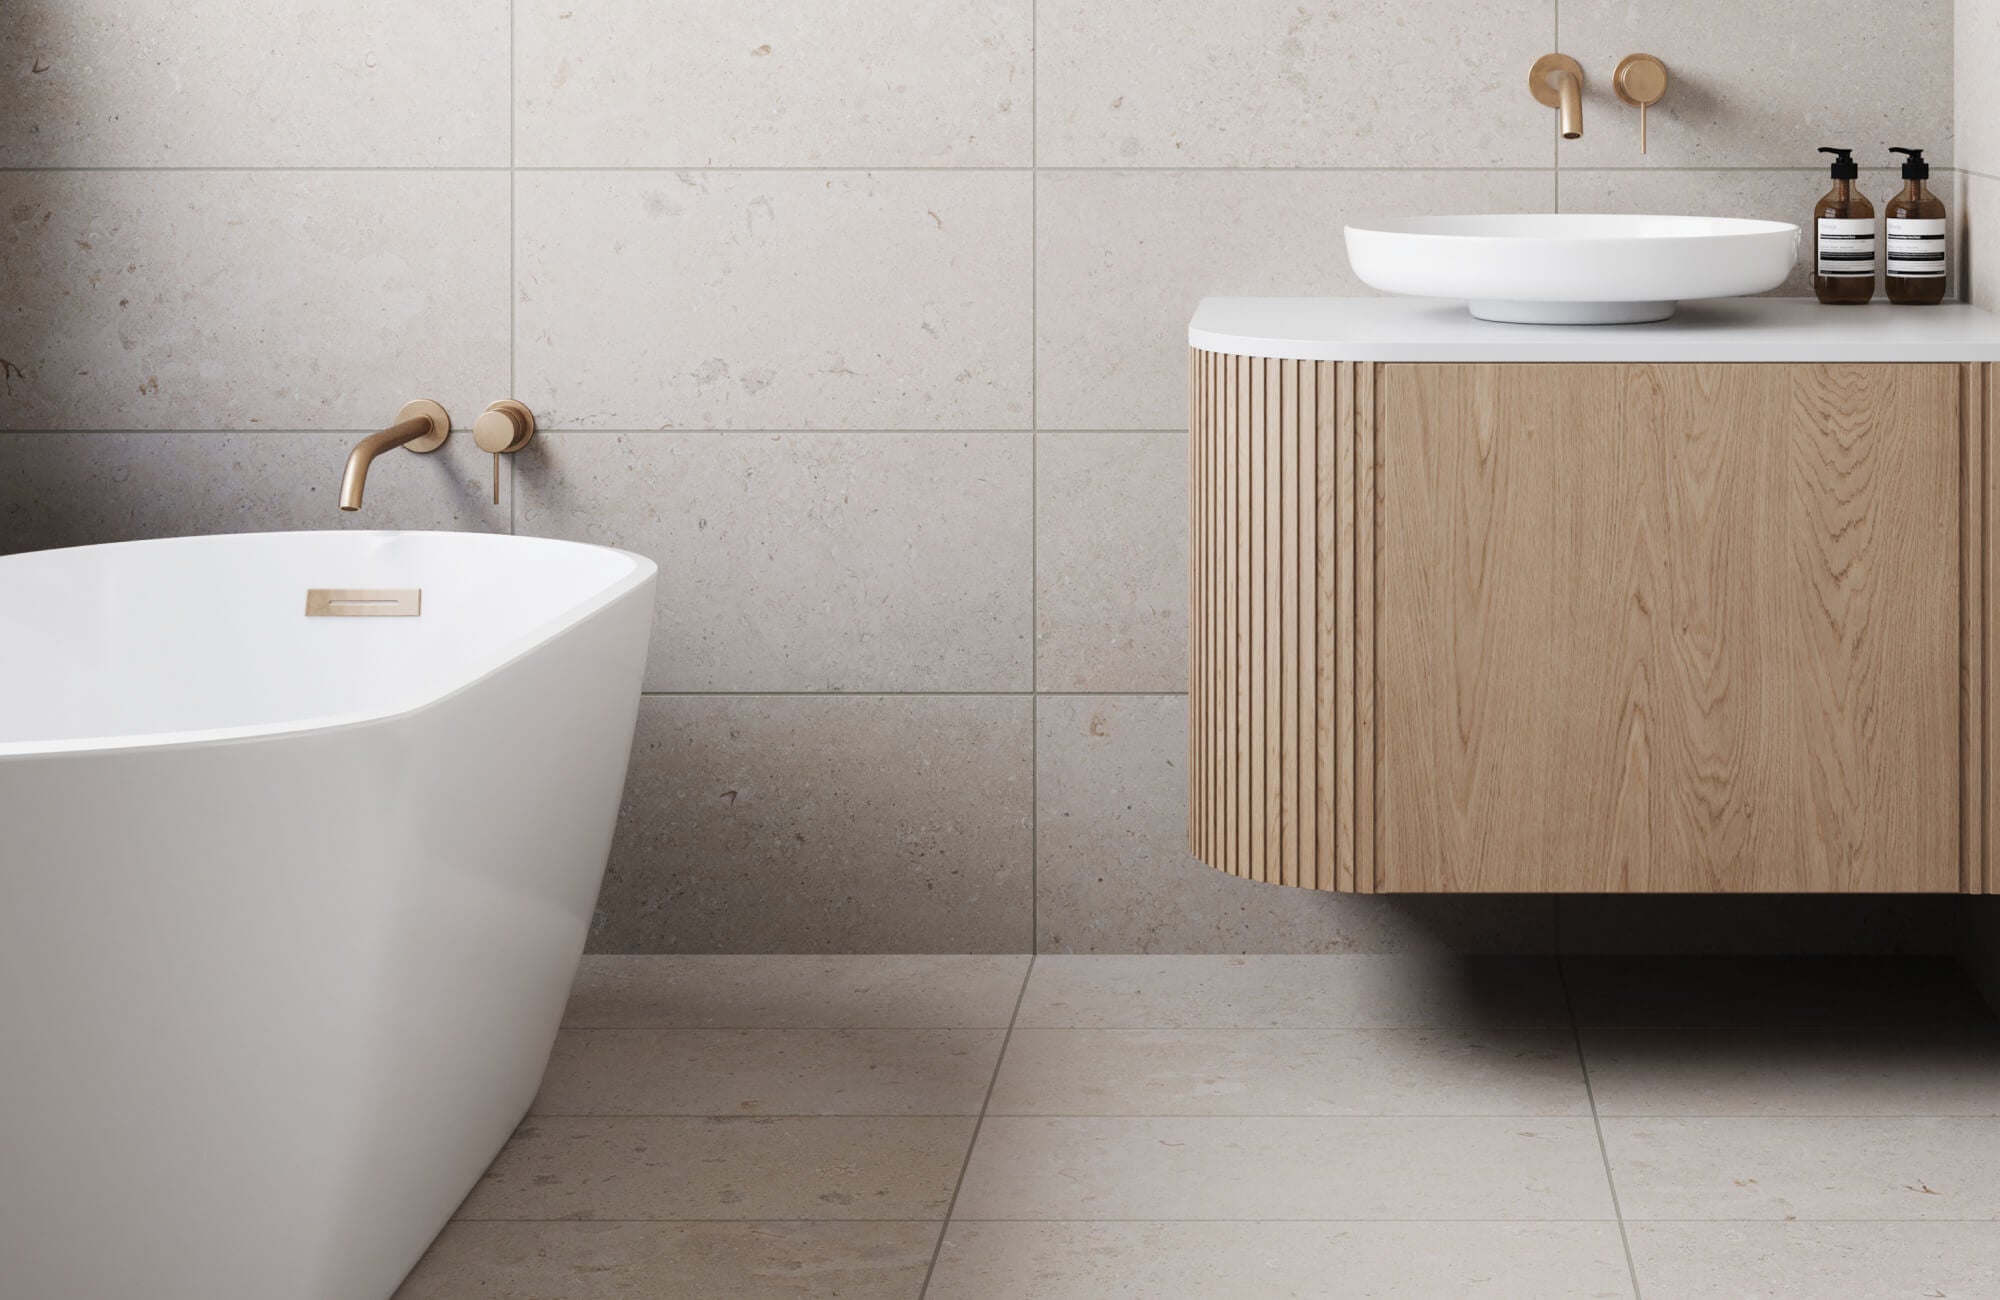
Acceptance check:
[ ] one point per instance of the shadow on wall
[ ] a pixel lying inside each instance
(1114, 875)
(1192, 908)
(77, 488)
(23, 25)
(944, 824)
(76, 270)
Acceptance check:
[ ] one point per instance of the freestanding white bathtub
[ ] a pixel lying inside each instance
(289, 906)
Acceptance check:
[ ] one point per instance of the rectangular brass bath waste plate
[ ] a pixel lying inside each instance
(364, 602)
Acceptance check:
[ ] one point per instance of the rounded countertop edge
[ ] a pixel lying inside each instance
(1745, 330)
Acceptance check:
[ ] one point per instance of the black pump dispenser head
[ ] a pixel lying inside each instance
(1843, 163)
(1914, 168)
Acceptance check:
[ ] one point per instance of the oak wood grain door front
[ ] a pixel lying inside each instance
(1667, 628)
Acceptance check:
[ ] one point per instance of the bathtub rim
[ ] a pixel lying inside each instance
(643, 570)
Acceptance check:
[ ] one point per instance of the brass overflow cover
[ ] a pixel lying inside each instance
(1641, 81)
(364, 602)
(503, 429)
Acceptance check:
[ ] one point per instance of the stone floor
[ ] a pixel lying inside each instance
(969, 1128)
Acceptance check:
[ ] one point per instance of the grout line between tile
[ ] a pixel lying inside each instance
(758, 1219)
(1508, 1115)
(513, 282)
(1279, 1029)
(1555, 132)
(1034, 509)
(1102, 169)
(785, 1029)
(1785, 1223)
(593, 431)
(972, 1143)
(1603, 1151)
(826, 694)
(1034, 818)
(1259, 1219)
(1060, 1029)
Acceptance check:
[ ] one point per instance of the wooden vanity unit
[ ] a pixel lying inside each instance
(1695, 606)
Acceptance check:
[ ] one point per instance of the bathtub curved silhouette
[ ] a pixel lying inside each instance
(289, 905)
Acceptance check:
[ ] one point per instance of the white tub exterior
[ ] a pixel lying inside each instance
(289, 907)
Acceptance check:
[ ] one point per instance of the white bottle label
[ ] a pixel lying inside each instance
(1916, 247)
(1846, 247)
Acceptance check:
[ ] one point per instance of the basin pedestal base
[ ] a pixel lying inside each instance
(1572, 313)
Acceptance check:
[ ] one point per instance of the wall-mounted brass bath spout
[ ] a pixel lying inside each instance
(421, 425)
(1557, 81)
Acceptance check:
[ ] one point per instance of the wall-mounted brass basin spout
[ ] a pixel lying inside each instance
(421, 425)
(1557, 81)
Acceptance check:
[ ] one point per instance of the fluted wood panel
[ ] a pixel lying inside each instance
(1972, 606)
(1621, 628)
(1261, 714)
(1982, 637)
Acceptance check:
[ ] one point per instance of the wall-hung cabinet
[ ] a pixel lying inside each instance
(1706, 612)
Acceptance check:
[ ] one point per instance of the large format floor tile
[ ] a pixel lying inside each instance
(1303, 992)
(769, 1072)
(1520, 1070)
(1778, 1070)
(790, 992)
(1319, 1168)
(1817, 1261)
(1300, 1261)
(1805, 1168)
(688, 1261)
(832, 1168)
(1348, 1127)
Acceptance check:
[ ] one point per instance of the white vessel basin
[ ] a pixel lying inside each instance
(1572, 268)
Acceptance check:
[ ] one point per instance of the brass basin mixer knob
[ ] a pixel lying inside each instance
(1641, 80)
(503, 429)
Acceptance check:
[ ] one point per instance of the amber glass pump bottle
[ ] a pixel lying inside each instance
(1915, 220)
(1843, 237)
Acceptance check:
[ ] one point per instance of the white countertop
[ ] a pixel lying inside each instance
(1727, 329)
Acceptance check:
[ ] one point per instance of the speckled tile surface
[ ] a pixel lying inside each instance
(758, 299)
(1346, 1127)
(801, 823)
(845, 562)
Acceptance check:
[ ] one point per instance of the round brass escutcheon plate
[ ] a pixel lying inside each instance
(1538, 77)
(440, 420)
(1640, 80)
(505, 426)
